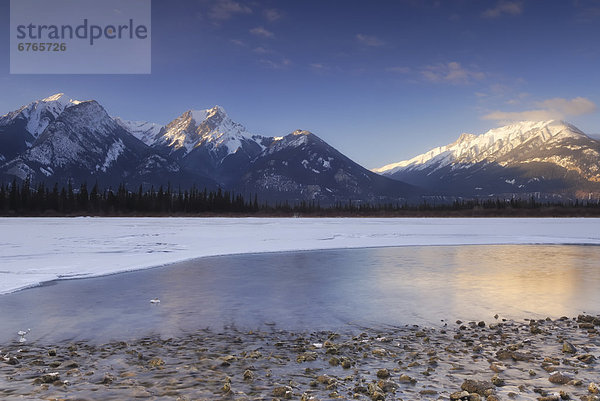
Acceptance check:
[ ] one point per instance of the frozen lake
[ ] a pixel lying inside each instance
(36, 250)
(305, 291)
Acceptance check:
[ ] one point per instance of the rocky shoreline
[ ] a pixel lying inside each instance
(497, 360)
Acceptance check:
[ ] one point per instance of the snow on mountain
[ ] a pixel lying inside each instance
(490, 146)
(301, 166)
(82, 141)
(39, 114)
(543, 159)
(146, 132)
(211, 128)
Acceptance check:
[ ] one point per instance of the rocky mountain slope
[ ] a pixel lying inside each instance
(547, 158)
(57, 140)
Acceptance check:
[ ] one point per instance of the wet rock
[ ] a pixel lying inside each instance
(459, 395)
(254, 355)
(497, 367)
(585, 319)
(476, 386)
(535, 329)
(377, 396)
(593, 388)
(360, 389)
(568, 348)
(492, 397)
(283, 392)
(406, 379)
(107, 379)
(549, 398)
(248, 375)
(12, 361)
(307, 397)
(497, 381)
(587, 358)
(383, 373)
(346, 363)
(52, 352)
(69, 365)
(564, 395)
(227, 360)
(521, 356)
(387, 386)
(380, 352)
(559, 378)
(50, 378)
(307, 357)
(155, 362)
(324, 379)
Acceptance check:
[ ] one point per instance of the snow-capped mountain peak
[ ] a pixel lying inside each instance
(145, 131)
(40, 113)
(211, 128)
(490, 146)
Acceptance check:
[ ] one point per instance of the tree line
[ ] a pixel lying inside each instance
(23, 199)
(66, 200)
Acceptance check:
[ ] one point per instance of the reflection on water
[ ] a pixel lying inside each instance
(315, 290)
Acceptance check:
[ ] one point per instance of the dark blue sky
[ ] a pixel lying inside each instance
(380, 80)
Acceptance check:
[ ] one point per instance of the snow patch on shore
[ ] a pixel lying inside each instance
(36, 250)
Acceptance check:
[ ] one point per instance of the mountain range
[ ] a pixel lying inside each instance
(549, 159)
(58, 139)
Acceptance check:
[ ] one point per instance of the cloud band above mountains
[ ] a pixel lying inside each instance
(550, 109)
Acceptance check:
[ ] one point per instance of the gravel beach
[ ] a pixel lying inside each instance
(494, 360)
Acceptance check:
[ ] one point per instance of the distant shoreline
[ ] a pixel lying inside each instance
(331, 213)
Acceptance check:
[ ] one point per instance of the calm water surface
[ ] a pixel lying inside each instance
(305, 291)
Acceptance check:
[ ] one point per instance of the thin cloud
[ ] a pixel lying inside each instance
(261, 50)
(238, 42)
(260, 31)
(222, 10)
(452, 73)
(504, 8)
(587, 10)
(399, 70)
(369, 40)
(276, 65)
(550, 109)
(272, 14)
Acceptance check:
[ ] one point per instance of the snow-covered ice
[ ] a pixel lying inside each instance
(35, 250)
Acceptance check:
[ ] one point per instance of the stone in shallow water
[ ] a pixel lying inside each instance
(476, 386)
(587, 358)
(559, 378)
(283, 392)
(459, 395)
(568, 348)
(50, 377)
